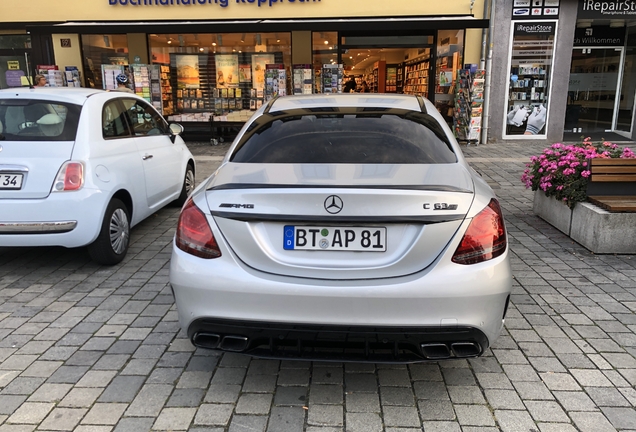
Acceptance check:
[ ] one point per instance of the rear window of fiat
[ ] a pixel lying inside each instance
(38, 120)
(357, 138)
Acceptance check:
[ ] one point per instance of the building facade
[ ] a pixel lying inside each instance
(555, 69)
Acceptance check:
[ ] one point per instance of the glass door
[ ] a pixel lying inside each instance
(594, 91)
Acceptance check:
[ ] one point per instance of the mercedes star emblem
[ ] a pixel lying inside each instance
(333, 204)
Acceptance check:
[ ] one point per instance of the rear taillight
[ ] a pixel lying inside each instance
(70, 177)
(485, 237)
(194, 235)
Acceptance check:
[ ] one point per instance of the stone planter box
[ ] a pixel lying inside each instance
(554, 212)
(596, 229)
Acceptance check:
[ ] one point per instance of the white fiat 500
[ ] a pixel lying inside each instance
(344, 227)
(81, 167)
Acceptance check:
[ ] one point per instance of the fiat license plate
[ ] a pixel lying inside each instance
(369, 239)
(10, 181)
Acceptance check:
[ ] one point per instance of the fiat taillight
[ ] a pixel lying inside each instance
(70, 177)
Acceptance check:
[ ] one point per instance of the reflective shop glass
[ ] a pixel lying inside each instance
(220, 72)
(102, 49)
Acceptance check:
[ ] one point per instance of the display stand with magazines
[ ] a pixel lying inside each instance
(469, 105)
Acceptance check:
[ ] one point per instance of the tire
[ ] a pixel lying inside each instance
(113, 240)
(187, 188)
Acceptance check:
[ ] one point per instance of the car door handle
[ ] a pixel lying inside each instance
(146, 157)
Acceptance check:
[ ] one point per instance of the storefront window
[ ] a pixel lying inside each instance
(221, 73)
(101, 50)
(530, 73)
(450, 49)
(15, 41)
(325, 52)
(628, 87)
(325, 48)
(14, 50)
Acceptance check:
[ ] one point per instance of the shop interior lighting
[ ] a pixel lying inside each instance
(583, 24)
(243, 38)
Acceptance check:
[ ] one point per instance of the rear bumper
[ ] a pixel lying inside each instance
(338, 343)
(446, 304)
(69, 219)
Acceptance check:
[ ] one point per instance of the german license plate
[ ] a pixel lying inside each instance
(368, 239)
(10, 181)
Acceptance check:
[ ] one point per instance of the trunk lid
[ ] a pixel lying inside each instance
(37, 161)
(410, 213)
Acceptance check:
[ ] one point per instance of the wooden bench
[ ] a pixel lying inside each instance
(612, 184)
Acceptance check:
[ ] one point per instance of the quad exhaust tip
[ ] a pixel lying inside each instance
(214, 341)
(439, 351)
(234, 343)
(431, 351)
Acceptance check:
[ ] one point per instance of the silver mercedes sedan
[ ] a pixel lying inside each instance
(347, 228)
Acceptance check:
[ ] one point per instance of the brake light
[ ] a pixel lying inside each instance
(70, 177)
(485, 237)
(194, 235)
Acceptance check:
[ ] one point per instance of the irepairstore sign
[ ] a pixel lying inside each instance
(594, 9)
(221, 3)
(530, 29)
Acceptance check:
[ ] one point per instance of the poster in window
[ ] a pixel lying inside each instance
(245, 73)
(227, 70)
(188, 72)
(530, 74)
(258, 69)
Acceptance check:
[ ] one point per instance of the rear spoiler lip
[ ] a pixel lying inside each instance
(435, 188)
(325, 220)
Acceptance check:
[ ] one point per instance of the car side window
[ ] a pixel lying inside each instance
(114, 123)
(145, 121)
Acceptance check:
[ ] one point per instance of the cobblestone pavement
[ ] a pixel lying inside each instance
(97, 349)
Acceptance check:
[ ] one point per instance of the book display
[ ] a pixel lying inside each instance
(400, 78)
(275, 81)
(147, 83)
(332, 75)
(416, 77)
(303, 81)
(469, 104)
(72, 76)
(109, 73)
(166, 90)
(391, 79)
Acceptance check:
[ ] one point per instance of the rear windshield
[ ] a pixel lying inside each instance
(367, 137)
(38, 120)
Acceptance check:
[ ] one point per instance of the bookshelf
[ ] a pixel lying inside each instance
(416, 76)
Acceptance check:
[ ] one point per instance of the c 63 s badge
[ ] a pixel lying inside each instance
(440, 206)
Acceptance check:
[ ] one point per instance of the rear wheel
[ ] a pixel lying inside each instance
(187, 188)
(111, 244)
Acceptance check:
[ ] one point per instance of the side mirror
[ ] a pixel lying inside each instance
(175, 129)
